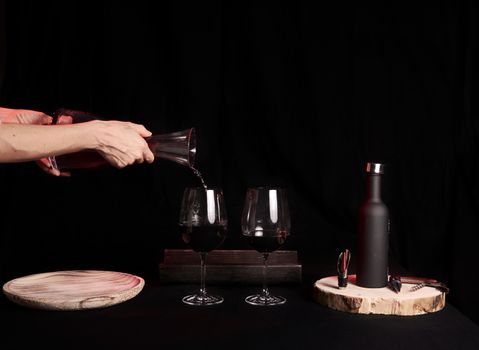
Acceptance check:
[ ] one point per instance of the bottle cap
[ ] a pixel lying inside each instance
(374, 168)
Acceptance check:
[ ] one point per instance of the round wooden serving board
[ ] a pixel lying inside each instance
(359, 300)
(73, 290)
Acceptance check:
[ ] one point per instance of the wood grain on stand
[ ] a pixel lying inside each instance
(355, 299)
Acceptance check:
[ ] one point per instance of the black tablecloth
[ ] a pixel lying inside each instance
(157, 319)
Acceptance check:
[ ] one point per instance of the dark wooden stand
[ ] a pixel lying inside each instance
(230, 267)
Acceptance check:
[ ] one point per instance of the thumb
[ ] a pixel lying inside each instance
(46, 119)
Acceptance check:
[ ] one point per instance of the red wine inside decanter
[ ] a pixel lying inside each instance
(81, 160)
(90, 159)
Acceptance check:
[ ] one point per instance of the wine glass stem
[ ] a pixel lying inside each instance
(203, 273)
(265, 290)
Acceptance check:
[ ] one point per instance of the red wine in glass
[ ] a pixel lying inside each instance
(266, 224)
(204, 223)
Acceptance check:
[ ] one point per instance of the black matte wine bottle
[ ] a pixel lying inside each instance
(373, 233)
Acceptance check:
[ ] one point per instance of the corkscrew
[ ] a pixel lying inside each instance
(395, 282)
(438, 285)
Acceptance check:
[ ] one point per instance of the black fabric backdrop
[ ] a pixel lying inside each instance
(294, 94)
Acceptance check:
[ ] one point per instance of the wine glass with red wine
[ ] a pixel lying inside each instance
(266, 224)
(204, 222)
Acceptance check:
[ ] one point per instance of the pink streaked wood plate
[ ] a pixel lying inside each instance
(73, 289)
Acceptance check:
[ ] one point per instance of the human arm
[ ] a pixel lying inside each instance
(25, 116)
(120, 143)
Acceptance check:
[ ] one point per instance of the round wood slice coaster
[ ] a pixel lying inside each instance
(359, 300)
(73, 290)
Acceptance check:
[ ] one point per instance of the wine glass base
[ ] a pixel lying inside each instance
(259, 299)
(202, 299)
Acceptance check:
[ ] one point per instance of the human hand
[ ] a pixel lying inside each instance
(25, 116)
(121, 143)
(47, 167)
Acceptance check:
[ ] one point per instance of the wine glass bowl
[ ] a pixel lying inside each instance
(266, 224)
(204, 222)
